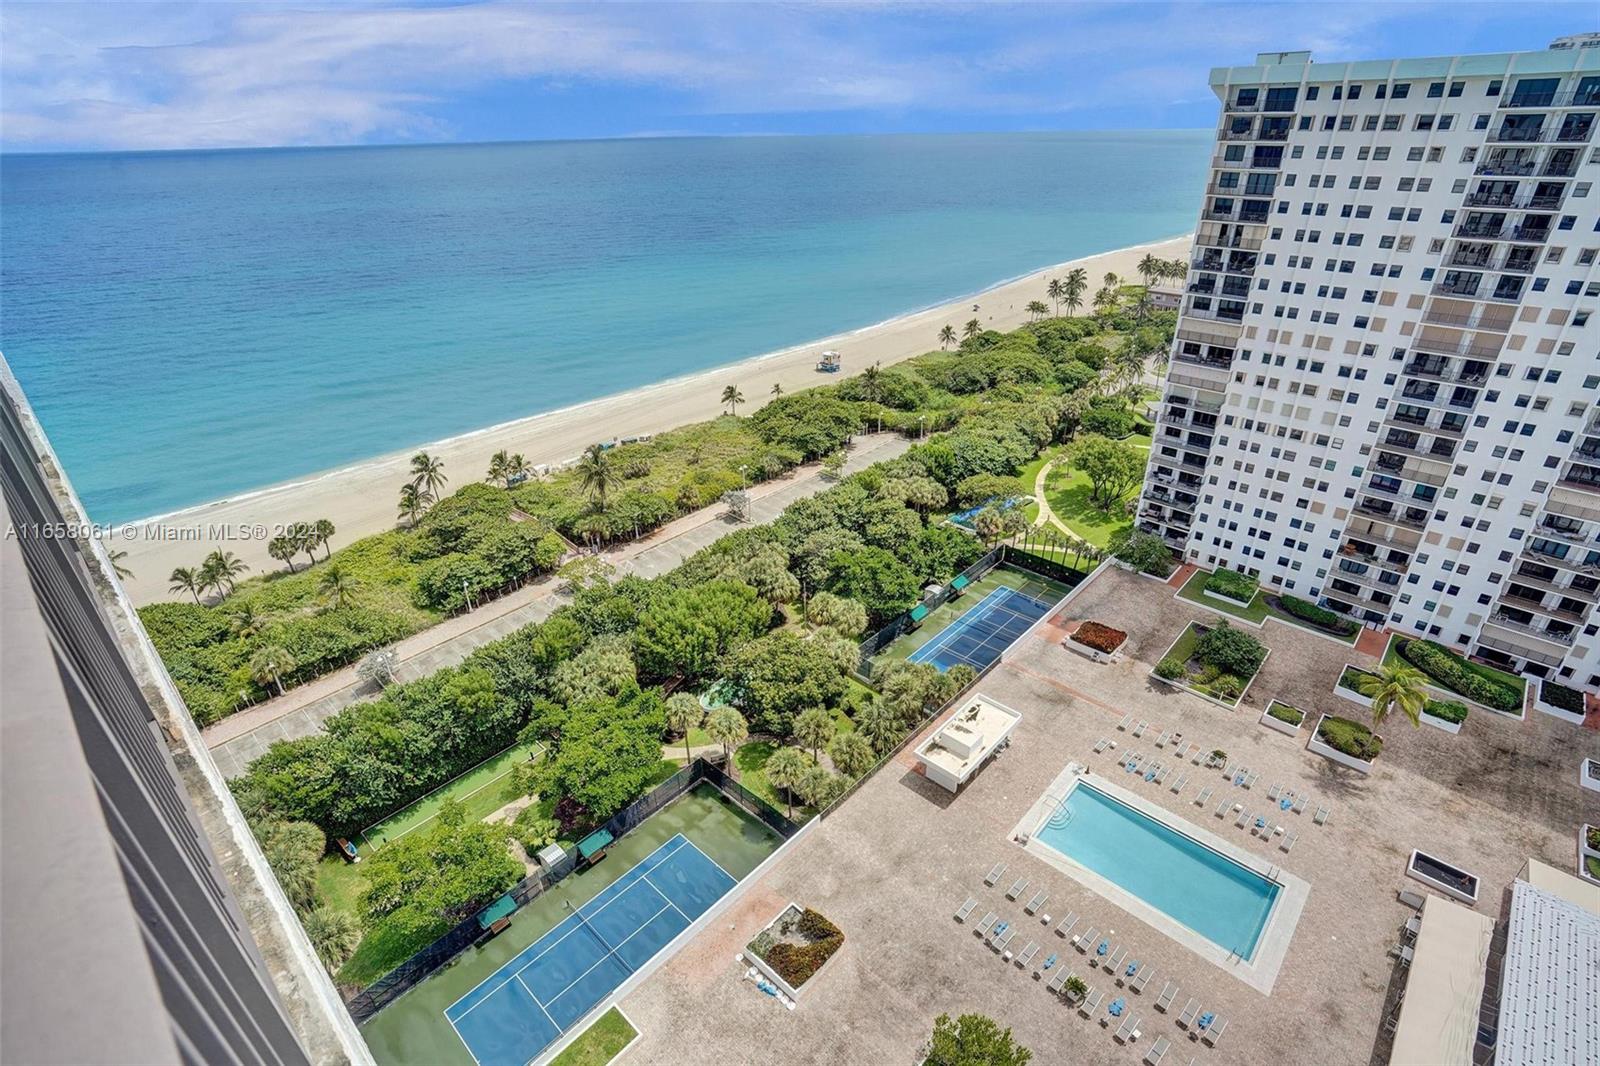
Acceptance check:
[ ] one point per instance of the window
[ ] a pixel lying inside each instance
(1435, 90)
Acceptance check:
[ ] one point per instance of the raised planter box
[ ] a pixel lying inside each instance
(1561, 713)
(1182, 683)
(1589, 774)
(1116, 637)
(1586, 853)
(1444, 692)
(784, 919)
(1349, 693)
(1278, 724)
(1440, 723)
(1227, 599)
(1088, 652)
(1332, 754)
(1436, 873)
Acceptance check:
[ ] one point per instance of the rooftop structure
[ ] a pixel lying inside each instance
(1550, 986)
(976, 731)
(1444, 987)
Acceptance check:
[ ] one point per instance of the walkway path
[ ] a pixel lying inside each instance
(239, 738)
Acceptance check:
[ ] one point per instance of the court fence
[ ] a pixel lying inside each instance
(392, 985)
(902, 625)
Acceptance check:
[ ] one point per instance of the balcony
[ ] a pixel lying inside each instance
(1216, 314)
(1489, 199)
(1481, 231)
(1496, 169)
(1382, 511)
(1585, 98)
(1582, 484)
(1519, 135)
(1536, 603)
(1468, 374)
(1463, 346)
(1434, 317)
(1239, 241)
(1461, 290)
(1541, 555)
(1507, 622)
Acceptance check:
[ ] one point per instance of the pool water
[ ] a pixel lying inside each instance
(1172, 872)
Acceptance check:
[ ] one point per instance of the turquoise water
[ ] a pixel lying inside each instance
(1172, 872)
(195, 324)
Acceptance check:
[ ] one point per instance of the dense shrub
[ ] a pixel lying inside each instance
(1307, 611)
(1448, 710)
(1231, 650)
(1285, 713)
(1459, 676)
(1145, 552)
(1101, 638)
(1112, 422)
(1350, 738)
(1170, 668)
(1233, 584)
(796, 963)
(1561, 697)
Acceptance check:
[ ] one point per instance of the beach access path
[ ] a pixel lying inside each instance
(244, 736)
(360, 499)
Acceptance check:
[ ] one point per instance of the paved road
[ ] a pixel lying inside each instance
(239, 738)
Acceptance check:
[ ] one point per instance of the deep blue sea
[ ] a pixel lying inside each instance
(194, 324)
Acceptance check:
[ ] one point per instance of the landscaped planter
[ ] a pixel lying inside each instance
(1450, 661)
(1589, 775)
(1559, 704)
(1281, 613)
(793, 947)
(1096, 641)
(1436, 873)
(1439, 721)
(1226, 599)
(1332, 754)
(1344, 691)
(1281, 724)
(1184, 682)
(1588, 857)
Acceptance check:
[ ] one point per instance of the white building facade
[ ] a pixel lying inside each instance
(1384, 395)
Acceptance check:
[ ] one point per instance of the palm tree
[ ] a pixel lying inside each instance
(777, 388)
(1393, 688)
(872, 389)
(427, 474)
(323, 530)
(1072, 291)
(733, 398)
(223, 567)
(245, 620)
(1055, 291)
(877, 723)
(1105, 301)
(972, 328)
(1149, 269)
(118, 568)
(786, 768)
(684, 714)
(1111, 280)
(727, 727)
(497, 465)
(412, 504)
(813, 728)
(333, 933)
(947, 336)
(598, 474)
(305, 539)
(187, 579)
(337, 585)
(270, 663)
(1038, 309)
(517, 468)
(284, 550)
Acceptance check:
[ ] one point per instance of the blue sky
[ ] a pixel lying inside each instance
(199, 75)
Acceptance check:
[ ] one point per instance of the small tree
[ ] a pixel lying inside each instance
(378, 667)
(947, 336)
(819, 787)
(833, 466)
(269, 664)
(813, 728)
(733, 398)
(786, 769)
(684, 713)
(726, 726)
(333, 933)
(533, 830)
(852, 754)
(973, 1040)
(1392, 688)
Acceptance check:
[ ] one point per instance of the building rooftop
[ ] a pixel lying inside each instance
(1439, 1018)
(969, 737)
(1550, 991)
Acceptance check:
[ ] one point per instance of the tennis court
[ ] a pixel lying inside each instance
(525, 1005)
(984, 632)
(479, 789)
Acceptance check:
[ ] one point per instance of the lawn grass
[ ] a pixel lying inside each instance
(1067, 490)
(340, 883)
(1029, 474)
(751, 762)
(600, 1043)
(481, 790)
(1255, 614)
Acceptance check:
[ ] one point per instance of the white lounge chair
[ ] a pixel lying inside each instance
(1161, 741)
(1197, 754)
(1114, 957)
(987, 923)
(1169, 992)
(1180, 751)
(1139, 729)
(1027, 954)
(1036, 902)
(1101, 745)
(1250, 780)
(1059, 981)
(1141, 978)
(1214, 1031)
(999, 943)
(1068, 924)
(966, 909)
(1204, 797)
(1245, 818)
(1127, 720)
(1087, 939)
(1224, 807)
(1288, 842)
(1157, 1052)
(1274, 792)
(1300, 803)
(995, 874)
(1129, 1029)
(1321, 817)
(1161, 775)
(1178, 784)
(1018, 887)
(1190, 1011)
(1091, 1003)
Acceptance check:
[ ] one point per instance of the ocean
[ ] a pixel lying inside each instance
(191, 325)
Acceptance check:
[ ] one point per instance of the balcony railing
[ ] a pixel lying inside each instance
(1494, 169)
(1477, 322)
(1518, 135)
(1582, 484)
(1465, 346)
(1489, 199)
(1506, 622)
(1446, 373)
(1584, 98)
(1564, 561)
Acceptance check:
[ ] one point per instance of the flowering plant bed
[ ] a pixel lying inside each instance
(795, 945)
(1099, 638)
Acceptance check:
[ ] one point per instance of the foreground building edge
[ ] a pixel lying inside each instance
(272, 942)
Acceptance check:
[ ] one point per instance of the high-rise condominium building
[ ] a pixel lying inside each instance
(1383, 392)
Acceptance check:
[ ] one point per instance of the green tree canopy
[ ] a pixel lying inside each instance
(877, 580)
(1112, 469)
(686, 632)
(777, 676)
(974, 1040)
(435, 877)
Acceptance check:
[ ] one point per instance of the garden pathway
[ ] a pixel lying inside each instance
(241, 737)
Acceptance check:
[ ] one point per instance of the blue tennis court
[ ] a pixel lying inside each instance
(525, 1005)
(983, 633)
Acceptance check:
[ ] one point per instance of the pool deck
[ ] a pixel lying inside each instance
(893, 864)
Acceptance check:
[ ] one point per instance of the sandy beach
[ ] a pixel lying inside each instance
(360, 499)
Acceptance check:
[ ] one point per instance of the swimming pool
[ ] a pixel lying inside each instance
(1193, 884)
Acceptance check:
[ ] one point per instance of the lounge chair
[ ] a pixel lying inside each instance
(1161, 741)
(1245, 818)
(1059, 982)
(1132, 760)
(1169, 992)
(1151, 770)
(1127, 720)
(1161, 775)
(1250, 780)
(1038, 900)
(1139, 729)
(1069, 923)
(1027, 954)
(1129, 1029)
(1114, 959)
(1197, 754)
(1204, 797)
(1087, 939)
(1261, 828)
(966, 909)
(1091, 1003)
(1321, 817)
(1300, 803)
(995, 874)
(1214, 1031)
(1224, 807)
(1101, 745)
(1178, 784)
(1018, 887)
(1413, 900)
(1187, 1015)
(1141, 979)
(1123, 976)
(1288, 842)
(1157, 1052)
(1000, 942)
(1228, 768)
(1274, 792)
(1413, 926)
(987, 924)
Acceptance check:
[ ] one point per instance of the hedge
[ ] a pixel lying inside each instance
(1307, 611)
(1350, 738)
(1561, 697)
(1448, 710)
(1285, 713)
(1233, 584)
(1458, 675)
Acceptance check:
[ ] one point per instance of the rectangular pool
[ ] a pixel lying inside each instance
(1191, 883)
